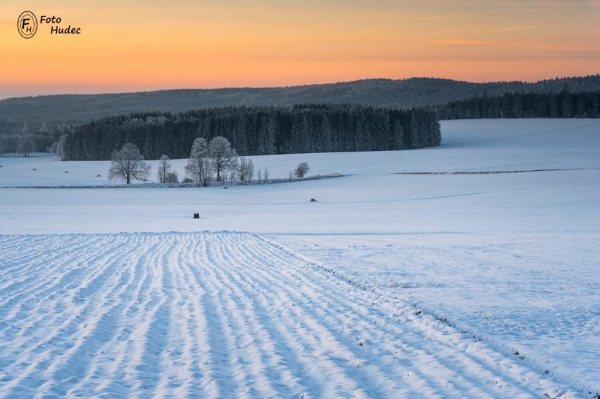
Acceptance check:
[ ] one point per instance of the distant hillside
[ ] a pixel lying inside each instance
(407, 93)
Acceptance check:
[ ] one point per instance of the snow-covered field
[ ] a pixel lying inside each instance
(391, 284)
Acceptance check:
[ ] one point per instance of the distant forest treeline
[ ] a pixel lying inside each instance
(258, 131)
(65, 110)
(300, 128)
(525, 105)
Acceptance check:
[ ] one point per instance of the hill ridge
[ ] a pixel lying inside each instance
(74, 109)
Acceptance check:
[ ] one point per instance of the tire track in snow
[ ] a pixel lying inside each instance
(222, 315)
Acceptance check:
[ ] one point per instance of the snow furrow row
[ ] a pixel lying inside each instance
(221, 315)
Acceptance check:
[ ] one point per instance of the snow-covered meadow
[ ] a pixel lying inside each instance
(448, 285)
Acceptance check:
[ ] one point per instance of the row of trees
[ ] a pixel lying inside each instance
(258, 131)
(26, 140)
(24, 144)
(525, 105)
(206, 160)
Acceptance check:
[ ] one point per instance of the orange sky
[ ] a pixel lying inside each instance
(147, 45)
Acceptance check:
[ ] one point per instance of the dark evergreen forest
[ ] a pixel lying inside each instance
(258, 131)
(564, 104)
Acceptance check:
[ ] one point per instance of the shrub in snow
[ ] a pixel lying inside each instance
(301, 170)
(171, 177)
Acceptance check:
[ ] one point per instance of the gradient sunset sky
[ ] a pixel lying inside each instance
(147, 45)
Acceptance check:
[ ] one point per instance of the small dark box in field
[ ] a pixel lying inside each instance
(196, 216)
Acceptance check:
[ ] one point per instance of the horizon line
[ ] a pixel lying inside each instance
(2, 98)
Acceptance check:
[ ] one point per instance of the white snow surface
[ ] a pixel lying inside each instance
(391, 285)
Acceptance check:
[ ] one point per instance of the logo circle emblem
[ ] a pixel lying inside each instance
(27, 24)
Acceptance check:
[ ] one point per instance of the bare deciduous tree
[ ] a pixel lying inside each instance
(199, 170)
(301, 170)
(127, 163)
(221, 153)
(245, 170)
(232, 170)
(266, 174)
(164, 168)
(250, 170)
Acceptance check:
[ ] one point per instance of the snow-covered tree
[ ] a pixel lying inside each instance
(301, 170)
(61, 146)
(44, 129)
(221, 153)
(25, 129)
(128, 163)
(199, 148)
(199, 167)
(164, 168)
(53, 147)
